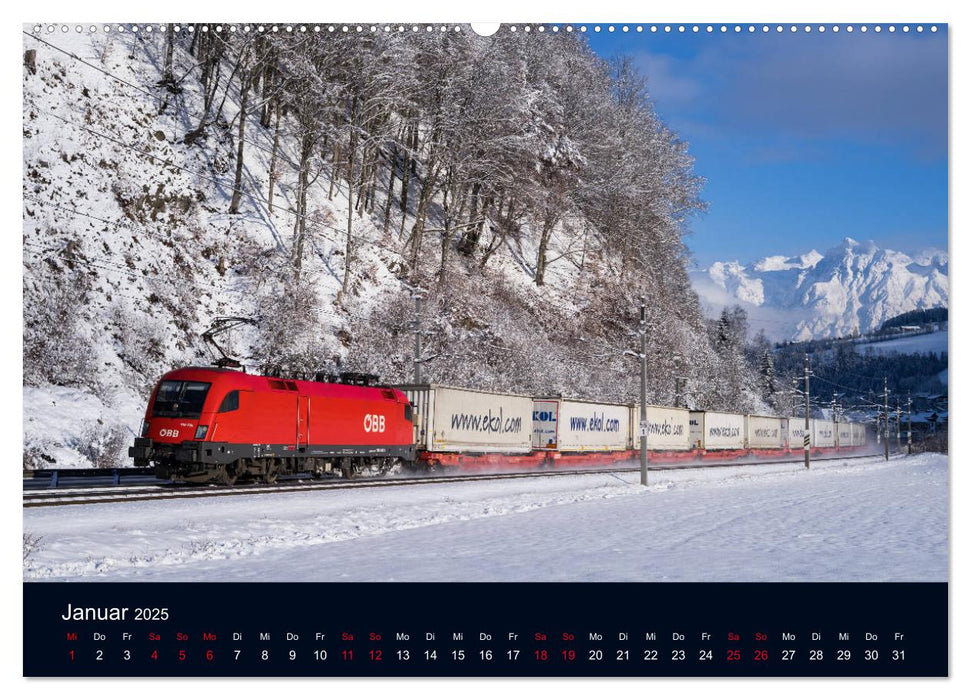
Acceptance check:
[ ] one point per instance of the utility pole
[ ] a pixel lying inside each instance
(898, 425)
(806, 437)
(417, 326)
(836, 420)
(886, 421)
(643, 425)
(910, 426)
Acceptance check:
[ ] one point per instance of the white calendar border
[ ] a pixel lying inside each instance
(604, 12)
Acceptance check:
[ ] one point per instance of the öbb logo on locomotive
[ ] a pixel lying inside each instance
(218, 424)
(373, 423)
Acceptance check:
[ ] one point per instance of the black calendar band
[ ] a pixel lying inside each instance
(478, 629)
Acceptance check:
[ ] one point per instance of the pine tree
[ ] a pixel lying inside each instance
(767, 375)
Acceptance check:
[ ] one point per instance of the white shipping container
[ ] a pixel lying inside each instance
(766, 432)
(797, 431)
(696, 429)
(823, 433)
(451, 419)
(859, 434)
(580, 426)
(844, 435)
(721, 431)
(668, 428)
(545, 414)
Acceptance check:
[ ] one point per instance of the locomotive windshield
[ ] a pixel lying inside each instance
(180, 399)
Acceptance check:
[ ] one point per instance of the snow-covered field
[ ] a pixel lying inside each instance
(928, 342)
(863, 520)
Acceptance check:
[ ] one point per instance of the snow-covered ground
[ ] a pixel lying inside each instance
(864, 520)
(928, 342)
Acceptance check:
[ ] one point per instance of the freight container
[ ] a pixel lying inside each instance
(718, 431)
(859, 434)
(765, 432)
(572, 425)
(452, 419)
(667, 428)
(823, 433)
(844, 434)
(798, 432)
(696, 429)
(545, 415)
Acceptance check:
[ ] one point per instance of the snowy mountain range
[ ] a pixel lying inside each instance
(852, 287)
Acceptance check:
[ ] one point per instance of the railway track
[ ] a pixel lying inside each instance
(148, 492)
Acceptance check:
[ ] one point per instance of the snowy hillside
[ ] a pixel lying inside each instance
(935, 342)
(852, 288)
(171, 178)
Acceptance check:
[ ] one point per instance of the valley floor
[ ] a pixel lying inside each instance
(863, 520)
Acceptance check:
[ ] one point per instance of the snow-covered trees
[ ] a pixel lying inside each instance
(510, 133)
(57, 348)
(526, 183)
(462, 144)
(291, 333)
(735, 384)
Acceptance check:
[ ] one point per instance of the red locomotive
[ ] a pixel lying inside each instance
(215, 424)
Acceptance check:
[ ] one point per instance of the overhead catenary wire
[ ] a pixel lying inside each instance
(140, 88)
(858, 391)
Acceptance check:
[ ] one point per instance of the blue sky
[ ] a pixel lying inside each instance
(804, 139)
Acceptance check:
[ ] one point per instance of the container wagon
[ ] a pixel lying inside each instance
(723, 433)
(767, 434)
(668, 432)
(470, 427)
(824, 434)
(844, 435)
(574, 430)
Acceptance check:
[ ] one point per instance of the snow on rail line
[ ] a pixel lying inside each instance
(845, 520)
(34, 497)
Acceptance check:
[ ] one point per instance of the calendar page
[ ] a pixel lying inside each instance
(438, 349)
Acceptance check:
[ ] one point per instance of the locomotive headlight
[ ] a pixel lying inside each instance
(201, 432)
(145, 426)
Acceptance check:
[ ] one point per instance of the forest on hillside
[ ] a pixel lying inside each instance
(524, 187)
